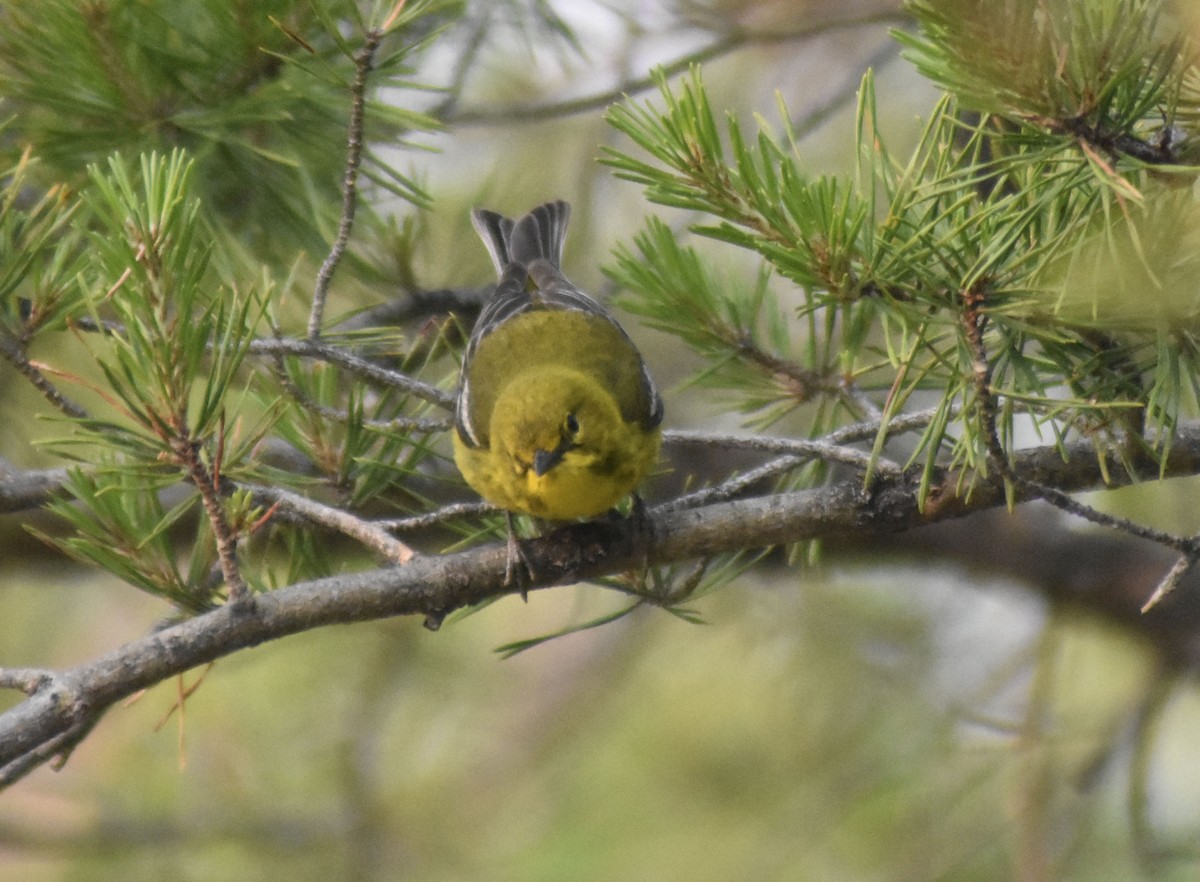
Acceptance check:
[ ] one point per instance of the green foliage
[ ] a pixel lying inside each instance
(168, 265)
(122, 525)
(366, 442)
(810, 231)
(1112, 65)
(732, 328)
(184, 335)
(38, 256)
(170, 369)
(1073, 260)
(257, 93)
(176, 404)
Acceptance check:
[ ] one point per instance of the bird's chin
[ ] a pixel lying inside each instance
(563, 494)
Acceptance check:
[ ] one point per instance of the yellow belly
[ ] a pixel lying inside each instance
(567, 492)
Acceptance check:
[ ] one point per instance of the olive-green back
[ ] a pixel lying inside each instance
(588, 343)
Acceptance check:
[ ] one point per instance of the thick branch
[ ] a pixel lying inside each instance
(24, 489)
(434, 586)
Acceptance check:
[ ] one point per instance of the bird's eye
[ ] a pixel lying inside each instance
(572, 424)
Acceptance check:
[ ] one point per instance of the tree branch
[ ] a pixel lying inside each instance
(364, 60)
(369, 534)
(730, 42)
(24, 489)
(367, 370)
(1165, 149)
(69, 702)
(15, 355)
(322, 351)
(187, 454)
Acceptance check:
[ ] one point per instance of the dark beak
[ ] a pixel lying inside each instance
(545, 460)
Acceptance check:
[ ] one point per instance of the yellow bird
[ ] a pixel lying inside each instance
(556, 416)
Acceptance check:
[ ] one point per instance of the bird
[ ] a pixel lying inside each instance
(556, 414)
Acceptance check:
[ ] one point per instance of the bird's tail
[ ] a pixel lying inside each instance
(540, 234)
(496, 232)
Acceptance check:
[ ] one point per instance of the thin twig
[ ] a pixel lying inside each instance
(187, 455)
(734, 486)
(97, 326)
(322, 351)
(802, 449)
(27, 680)
(360, 366)
(463, 64)
(867, 430)
(438, 516)
(397, 424)
(1184, 565)
(1164, 150)
(798, 453)
(23, 489)
(974, 324)
(464, 302)
(817, 116)
(730, 42)
(364, 59)
(12, 352)
(367, 532)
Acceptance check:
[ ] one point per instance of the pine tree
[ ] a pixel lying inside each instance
(197, 204)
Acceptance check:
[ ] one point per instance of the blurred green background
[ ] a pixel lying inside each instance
(844, 723)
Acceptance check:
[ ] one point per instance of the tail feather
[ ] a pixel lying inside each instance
(540, 234)
(496, 232)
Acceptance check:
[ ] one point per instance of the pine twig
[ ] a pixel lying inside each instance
(438, 516)
(23, 489)
(723, 45)
(370, 371)
(366, 532)
(188, 456)
(15, 355)
(1184, 565)
(1164, 150)
(27, 680)
(364, 60)
(317, 349)
(974, 325)
(398, 424)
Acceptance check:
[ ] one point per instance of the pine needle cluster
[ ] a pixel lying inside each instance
(1031, 263)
